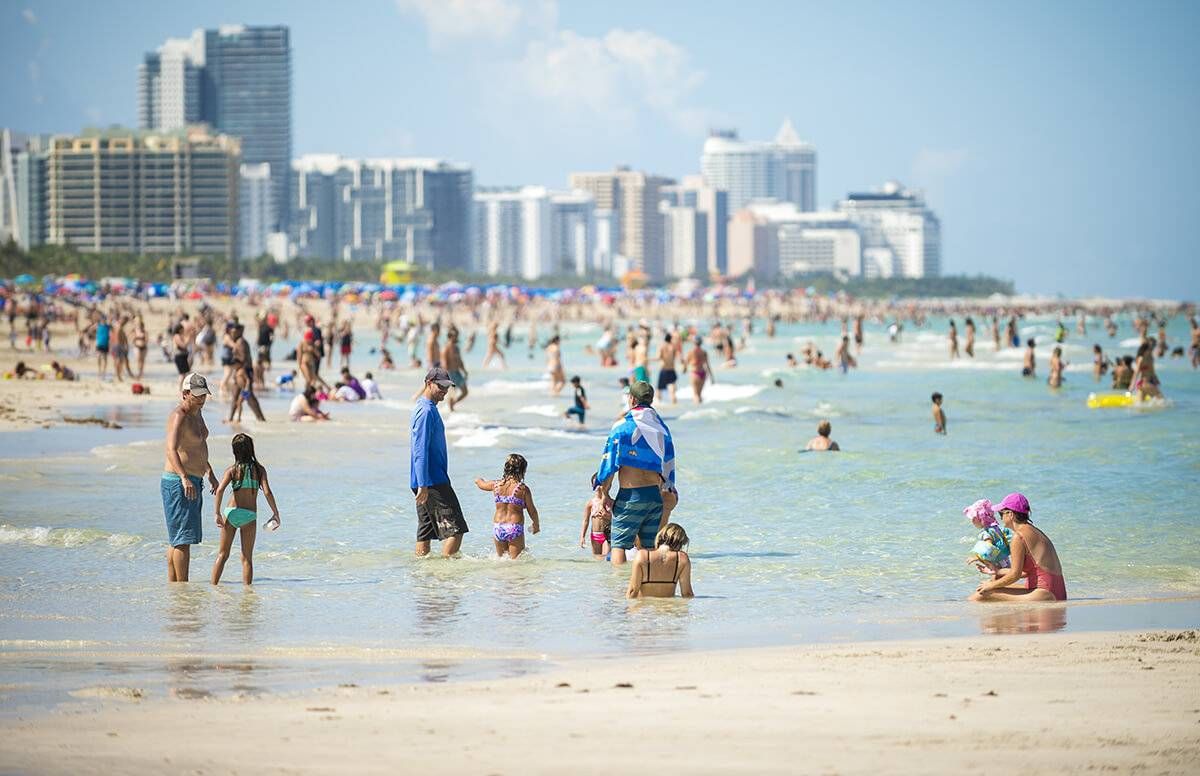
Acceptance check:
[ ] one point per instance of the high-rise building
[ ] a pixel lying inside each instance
(130, 192)
(256, 213)
(784, 169)
(169, 84)
(23, 188)
(713, 207)
(247, 85)
(606, 254)
(418, 210)
(533, 232)
(237, 79)
(635, 196)
(685, 240)
(901, 237)
(572, 233)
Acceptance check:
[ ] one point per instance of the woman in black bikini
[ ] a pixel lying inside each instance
(656, 574)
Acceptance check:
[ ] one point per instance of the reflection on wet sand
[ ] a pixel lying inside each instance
(1032, 618)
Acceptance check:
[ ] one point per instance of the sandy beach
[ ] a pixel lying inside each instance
(1062, 703)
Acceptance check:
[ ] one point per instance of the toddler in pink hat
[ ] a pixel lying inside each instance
(991, 550)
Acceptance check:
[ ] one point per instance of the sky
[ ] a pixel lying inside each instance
(1056, 141)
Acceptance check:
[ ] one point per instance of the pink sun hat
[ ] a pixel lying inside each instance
(1016, 502)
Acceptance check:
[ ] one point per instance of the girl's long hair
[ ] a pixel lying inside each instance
(514, 468)
(244, 460)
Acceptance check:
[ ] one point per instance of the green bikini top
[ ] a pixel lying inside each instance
(246, 481)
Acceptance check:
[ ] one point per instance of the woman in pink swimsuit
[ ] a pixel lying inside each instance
(1033, 556)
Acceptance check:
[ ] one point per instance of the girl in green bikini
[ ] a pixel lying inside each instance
(246, 476)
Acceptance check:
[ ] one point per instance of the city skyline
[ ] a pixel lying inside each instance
(1050, 140)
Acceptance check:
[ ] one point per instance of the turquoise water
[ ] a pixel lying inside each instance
(787, 547)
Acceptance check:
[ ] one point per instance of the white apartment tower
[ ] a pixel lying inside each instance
(169, 86)
(784, 169)
(901, 237)
(256, 211)
(532, 232)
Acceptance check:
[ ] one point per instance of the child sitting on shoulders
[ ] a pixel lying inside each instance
(513, 499)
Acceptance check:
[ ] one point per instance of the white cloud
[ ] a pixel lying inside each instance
(612, 77)
(29, 16)
(450, 19)
(938, 163)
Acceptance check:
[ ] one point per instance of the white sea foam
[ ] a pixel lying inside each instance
(490, 436)
(513, 387)
(545, 410)
(728, 392)
(706, 412)
(44, 536)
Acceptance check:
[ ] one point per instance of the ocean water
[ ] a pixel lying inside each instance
(787, 547)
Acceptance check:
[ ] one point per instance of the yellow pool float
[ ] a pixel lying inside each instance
(1098, 401)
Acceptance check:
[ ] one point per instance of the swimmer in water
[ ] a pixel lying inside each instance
(1057, 365)
(821, 441)
(1030, 366)
(939, 415)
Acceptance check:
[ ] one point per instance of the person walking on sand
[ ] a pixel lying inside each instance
(185, 467)
(640, 454)
(439, 515)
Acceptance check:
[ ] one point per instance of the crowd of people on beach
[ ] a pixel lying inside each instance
(639, 452)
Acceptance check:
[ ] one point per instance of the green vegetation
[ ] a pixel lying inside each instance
(880, 288)
(63, 260)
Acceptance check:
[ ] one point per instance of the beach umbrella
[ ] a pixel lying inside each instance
(24, 279)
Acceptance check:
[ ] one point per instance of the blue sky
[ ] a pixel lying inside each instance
(1056, 140)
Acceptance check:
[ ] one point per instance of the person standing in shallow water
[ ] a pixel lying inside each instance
(183, 475)
(439, 515)
(640, 454)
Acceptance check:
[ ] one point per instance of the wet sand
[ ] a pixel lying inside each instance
(1060, 703)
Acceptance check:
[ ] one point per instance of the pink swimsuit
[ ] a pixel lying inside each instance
(1039, 577)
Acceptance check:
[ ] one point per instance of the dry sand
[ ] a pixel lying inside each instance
(1061, 703)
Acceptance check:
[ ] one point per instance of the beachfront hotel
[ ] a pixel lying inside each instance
(418, 210)
(635, 196)
(783, 169)
(126, 191)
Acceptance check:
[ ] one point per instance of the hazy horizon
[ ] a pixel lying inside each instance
(1053, 141)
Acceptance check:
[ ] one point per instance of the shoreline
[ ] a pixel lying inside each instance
(1107, 700)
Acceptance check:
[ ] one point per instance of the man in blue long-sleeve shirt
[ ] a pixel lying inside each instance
(439, 515)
